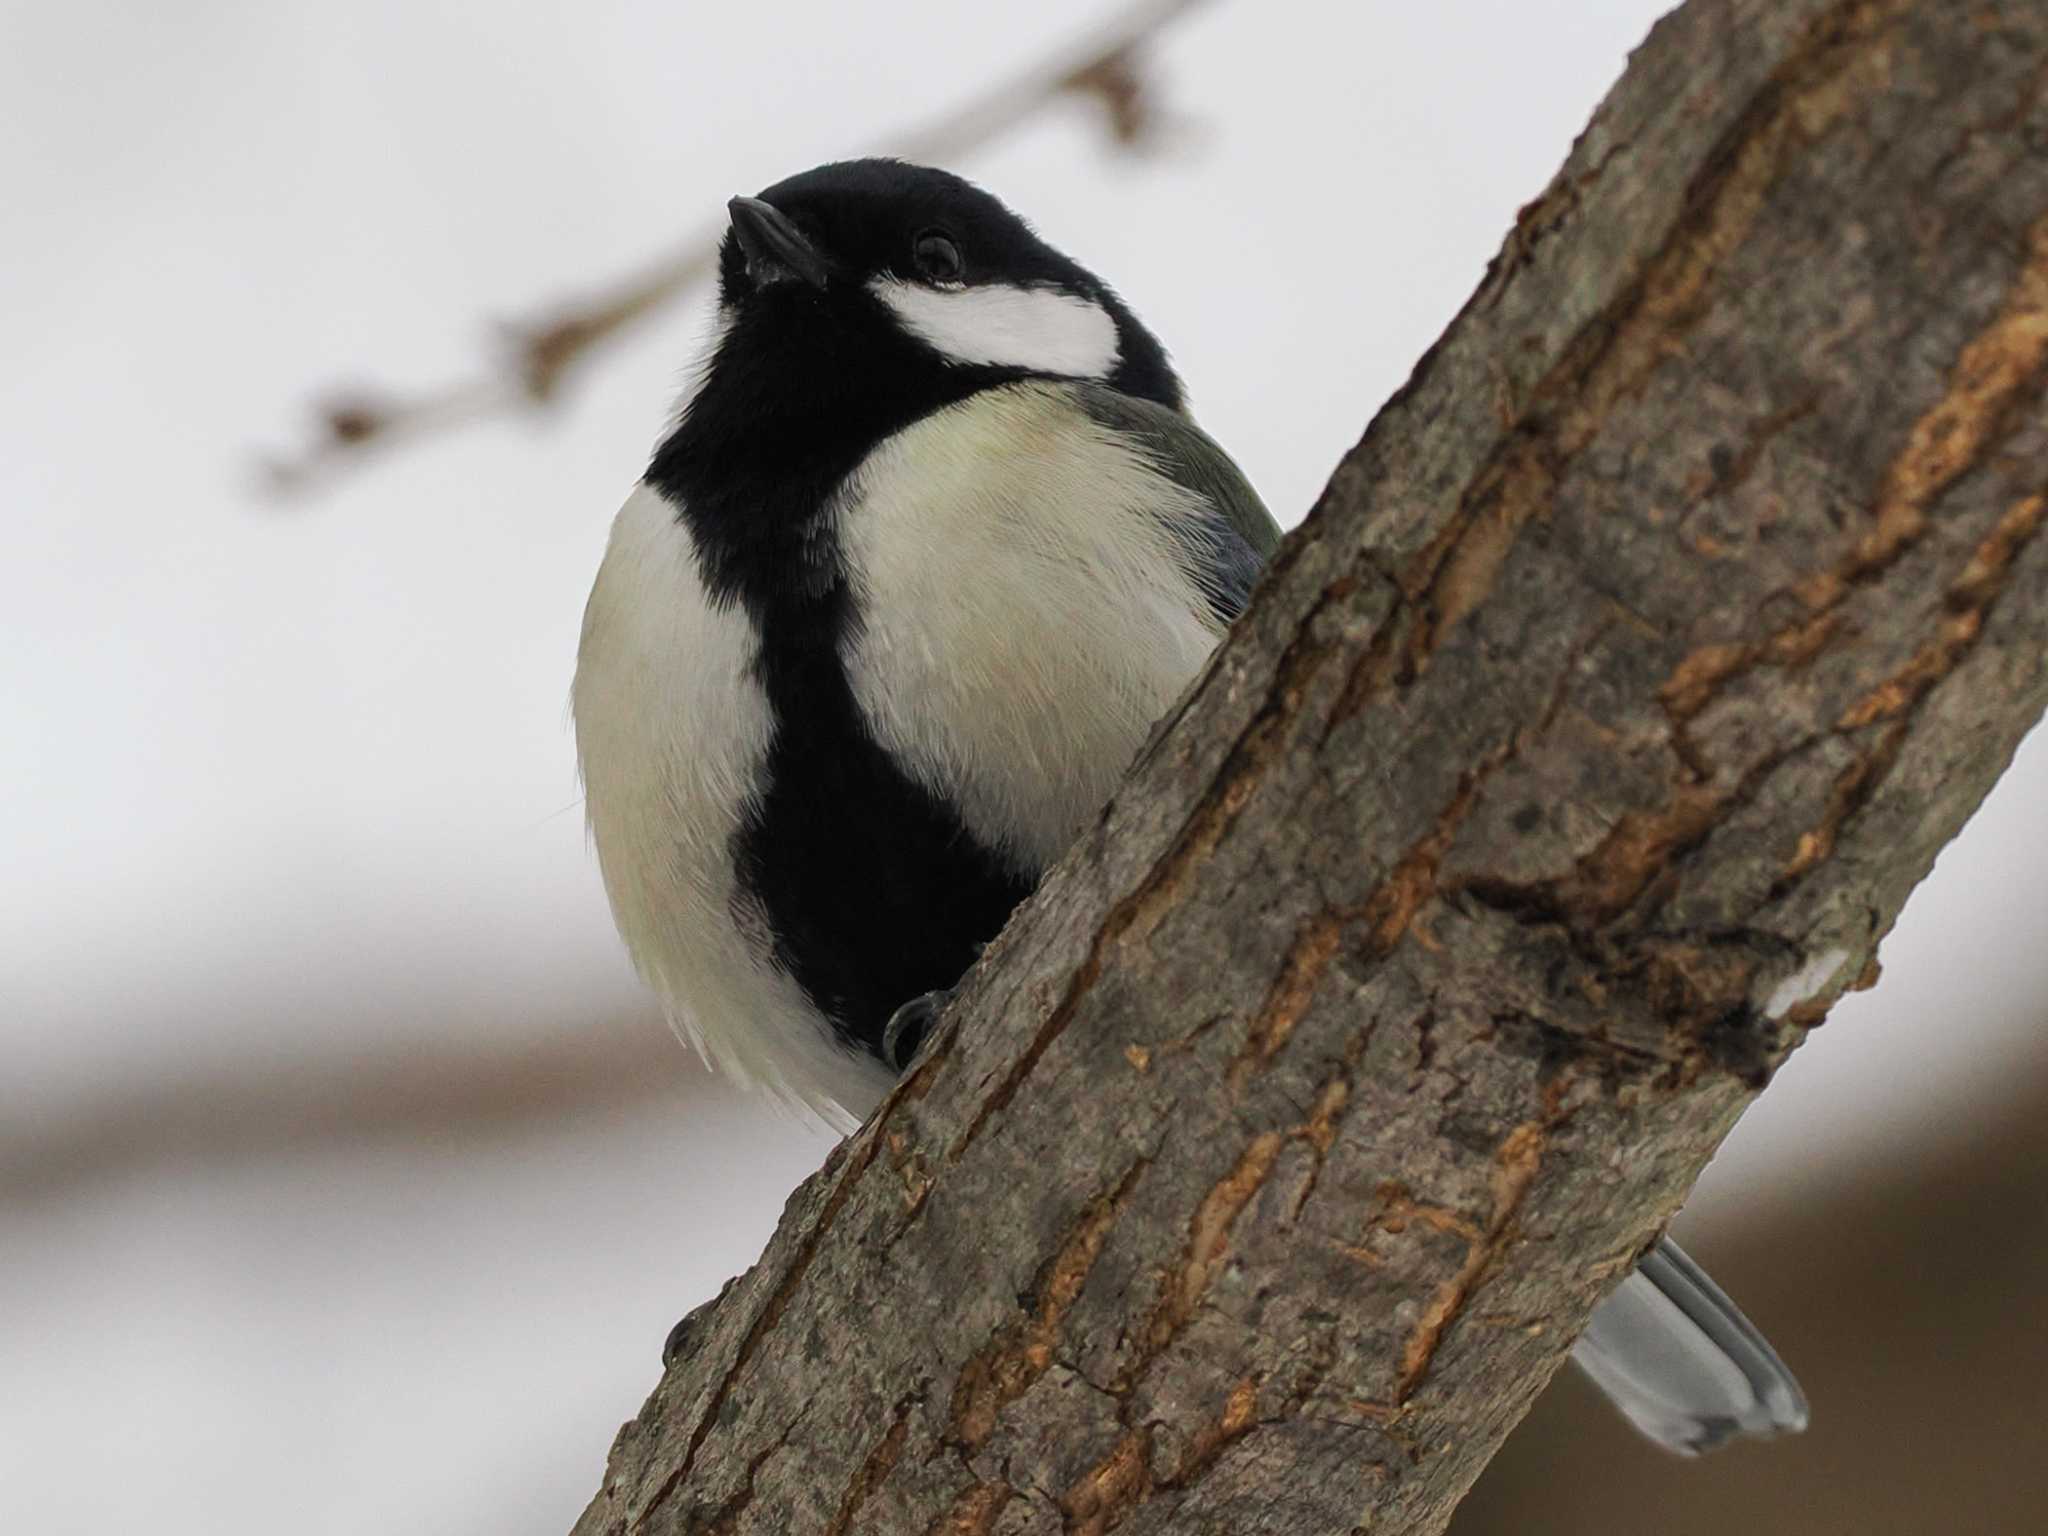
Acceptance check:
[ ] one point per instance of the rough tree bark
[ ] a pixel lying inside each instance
(1574, 758)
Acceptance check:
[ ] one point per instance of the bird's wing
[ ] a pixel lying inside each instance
(1230, 541)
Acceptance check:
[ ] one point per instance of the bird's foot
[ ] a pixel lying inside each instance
(908, 1026)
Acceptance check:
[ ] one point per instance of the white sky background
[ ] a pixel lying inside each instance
(263, 769)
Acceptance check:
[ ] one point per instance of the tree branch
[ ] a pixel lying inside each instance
(537, 355)
(1573, 759)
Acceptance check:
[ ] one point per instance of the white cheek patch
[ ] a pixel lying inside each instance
(1003, 326)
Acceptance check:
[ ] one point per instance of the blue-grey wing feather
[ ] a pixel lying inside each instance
(1229, 543)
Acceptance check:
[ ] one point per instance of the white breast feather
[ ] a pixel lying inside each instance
(671, 731)
(1025, 619)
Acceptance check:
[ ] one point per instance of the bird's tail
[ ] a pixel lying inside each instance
(1676, 1356)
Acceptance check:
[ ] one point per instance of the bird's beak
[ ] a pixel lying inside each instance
(776, 249)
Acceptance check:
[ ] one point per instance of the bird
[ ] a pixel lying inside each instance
(930, 545)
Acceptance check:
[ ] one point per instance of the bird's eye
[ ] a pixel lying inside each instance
(938, 258)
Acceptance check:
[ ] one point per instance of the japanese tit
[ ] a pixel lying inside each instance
(928, 550)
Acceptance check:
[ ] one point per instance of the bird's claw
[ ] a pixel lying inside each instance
(908, 1026)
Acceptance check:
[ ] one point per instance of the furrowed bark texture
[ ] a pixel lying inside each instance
(1572, 761)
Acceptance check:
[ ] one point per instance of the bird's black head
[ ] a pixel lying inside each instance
(854, 300)
(910, 280)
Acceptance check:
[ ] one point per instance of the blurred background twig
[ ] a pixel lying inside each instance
(535, 356)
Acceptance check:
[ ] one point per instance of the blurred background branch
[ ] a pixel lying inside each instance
(536, 356)
(435, 1097)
